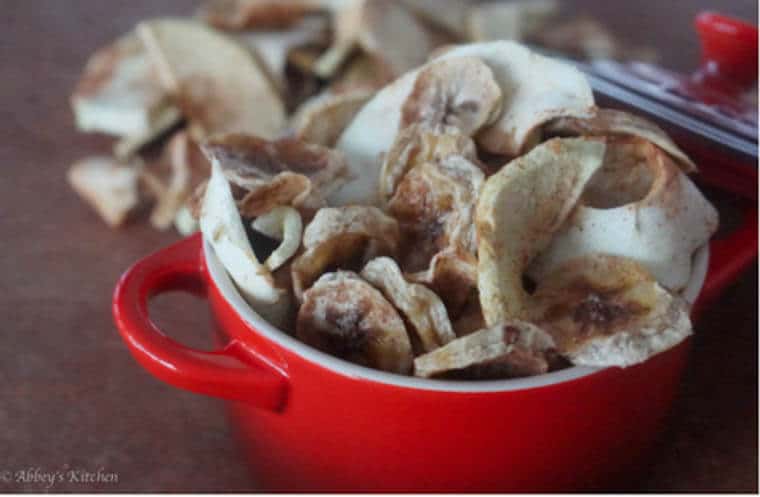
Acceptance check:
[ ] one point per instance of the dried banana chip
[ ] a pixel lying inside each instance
(604, 122)
(435, 207)
(609, 311)
(641, 206)
(345, 237)
(284, 224)
(222, 228)
(535, 89)
(345, 316)
(279, 172)
(422, 308)
(110, 187)
(450, 91)
(519, 210)
(459, 91)
(453, 275)
(416, 145)
(215, 81)
(508, 350)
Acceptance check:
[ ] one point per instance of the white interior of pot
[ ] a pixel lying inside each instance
(228, 290)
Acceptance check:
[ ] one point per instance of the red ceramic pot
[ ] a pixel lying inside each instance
(312, 422)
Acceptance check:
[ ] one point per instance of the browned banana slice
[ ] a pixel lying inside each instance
(422, 308)
(609, 311)
(345, 316)
(345, 237)
(508, 350)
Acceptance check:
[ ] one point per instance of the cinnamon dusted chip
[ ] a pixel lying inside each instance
(345, 316)
(215, 81)
(223, 228)
(456, 91)
(322, 118)
(604, 122)
(416, 145)
(118, 93)
(343, 237)
(108, 186)
(421, 306)
(638, 205)
(519, 210)
(435, 207)
(284, 224)
(382, 29)
(460, 92)
(609, 311)
(453, 275)
(508, 350)
(257, 14)
(279, 172)
(535, 89)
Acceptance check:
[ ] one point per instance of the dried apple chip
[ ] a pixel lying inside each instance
(345, 316)
(609, 311)
(118, 93)
(639, 205)
(508, 350)
(107, 185)
(519, 210)
(422, 308)
(223, 228)
(215, 81)
(321, 119)
(284, 224)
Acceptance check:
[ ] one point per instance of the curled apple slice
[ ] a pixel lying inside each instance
(519, 210)
(222, 228)
(508, 350)
(609, 311)
(214, 80)
(284, 224)
(345, 316)
(422, 308)
(638, 205)
(604, 122)
(345, 237)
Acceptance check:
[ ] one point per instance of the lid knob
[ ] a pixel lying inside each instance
(729, 52)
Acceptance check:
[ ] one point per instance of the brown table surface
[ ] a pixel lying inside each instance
(71, 397)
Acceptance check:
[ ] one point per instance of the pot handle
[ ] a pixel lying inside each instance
(232, 373)
(729, 258)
